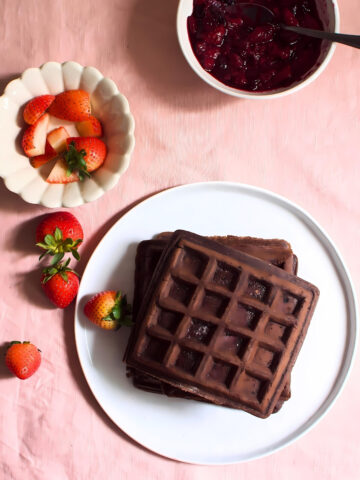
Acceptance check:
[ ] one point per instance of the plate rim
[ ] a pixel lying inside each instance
(349, 295)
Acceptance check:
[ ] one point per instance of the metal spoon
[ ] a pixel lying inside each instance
(261, 15)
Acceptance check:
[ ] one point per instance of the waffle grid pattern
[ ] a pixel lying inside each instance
(221, 325)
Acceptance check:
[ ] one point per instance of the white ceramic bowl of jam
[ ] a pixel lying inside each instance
(257, 63)
(107, 104)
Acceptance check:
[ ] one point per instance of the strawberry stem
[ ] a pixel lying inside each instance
(75, 161)
(55, 245)
(61, 268)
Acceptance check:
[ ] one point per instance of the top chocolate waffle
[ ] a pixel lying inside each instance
(275, 251)
(254, 315)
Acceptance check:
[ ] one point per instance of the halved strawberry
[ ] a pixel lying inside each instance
(36, 107)
(59, 173)
(33, 141)
(40, 160)
(90, 127)
(73, 105)
(57, 139)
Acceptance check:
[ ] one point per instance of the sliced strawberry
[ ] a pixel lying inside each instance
(40, 160)
(59, 173)
(85, 154)
(36, 107)
(34, 138)
(90, 127)
(73, 105)
(57, 139)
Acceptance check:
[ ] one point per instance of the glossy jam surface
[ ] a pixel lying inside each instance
(244, 55)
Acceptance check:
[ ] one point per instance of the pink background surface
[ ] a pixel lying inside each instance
(305, 147)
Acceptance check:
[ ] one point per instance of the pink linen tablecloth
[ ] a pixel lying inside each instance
(305, 147)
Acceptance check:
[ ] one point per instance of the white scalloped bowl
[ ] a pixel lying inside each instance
(108, 105)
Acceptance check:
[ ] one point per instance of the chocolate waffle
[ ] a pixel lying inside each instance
(198, 282)
(277, 252)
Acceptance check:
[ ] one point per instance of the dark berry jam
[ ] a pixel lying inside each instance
(254, 57)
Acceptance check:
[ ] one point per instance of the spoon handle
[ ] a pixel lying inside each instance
(351, 40)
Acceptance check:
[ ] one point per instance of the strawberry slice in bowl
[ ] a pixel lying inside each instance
(40, 160)
(37, 107)
(34, 138)
(57, 139)
(91, 127)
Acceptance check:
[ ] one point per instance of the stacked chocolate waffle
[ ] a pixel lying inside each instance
(218, 320)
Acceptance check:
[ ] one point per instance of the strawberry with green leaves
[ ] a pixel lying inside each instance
(22, 359)
(59, 233)
(108, 310)
(60, 284)
(83, 156)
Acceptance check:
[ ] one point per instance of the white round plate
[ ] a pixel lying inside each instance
(191, 431)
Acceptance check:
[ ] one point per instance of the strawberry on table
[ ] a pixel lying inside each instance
(73, 105)
(40, 160)
(108, 310)
(60, 284)
(58, 233)
(36, 107)
(90, 127)
(22, 359)
(57, 139)
(34, 138)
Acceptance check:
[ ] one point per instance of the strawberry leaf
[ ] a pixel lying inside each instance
(116, 311)
(64, 276)
(58, 234)
(42, 245)
(75, 254)
(49, 240)
(75, 161)
(56, 258)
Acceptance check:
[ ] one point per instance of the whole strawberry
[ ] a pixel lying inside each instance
(22, 359)
(58, 233)
(108, 310)
(60, 284)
